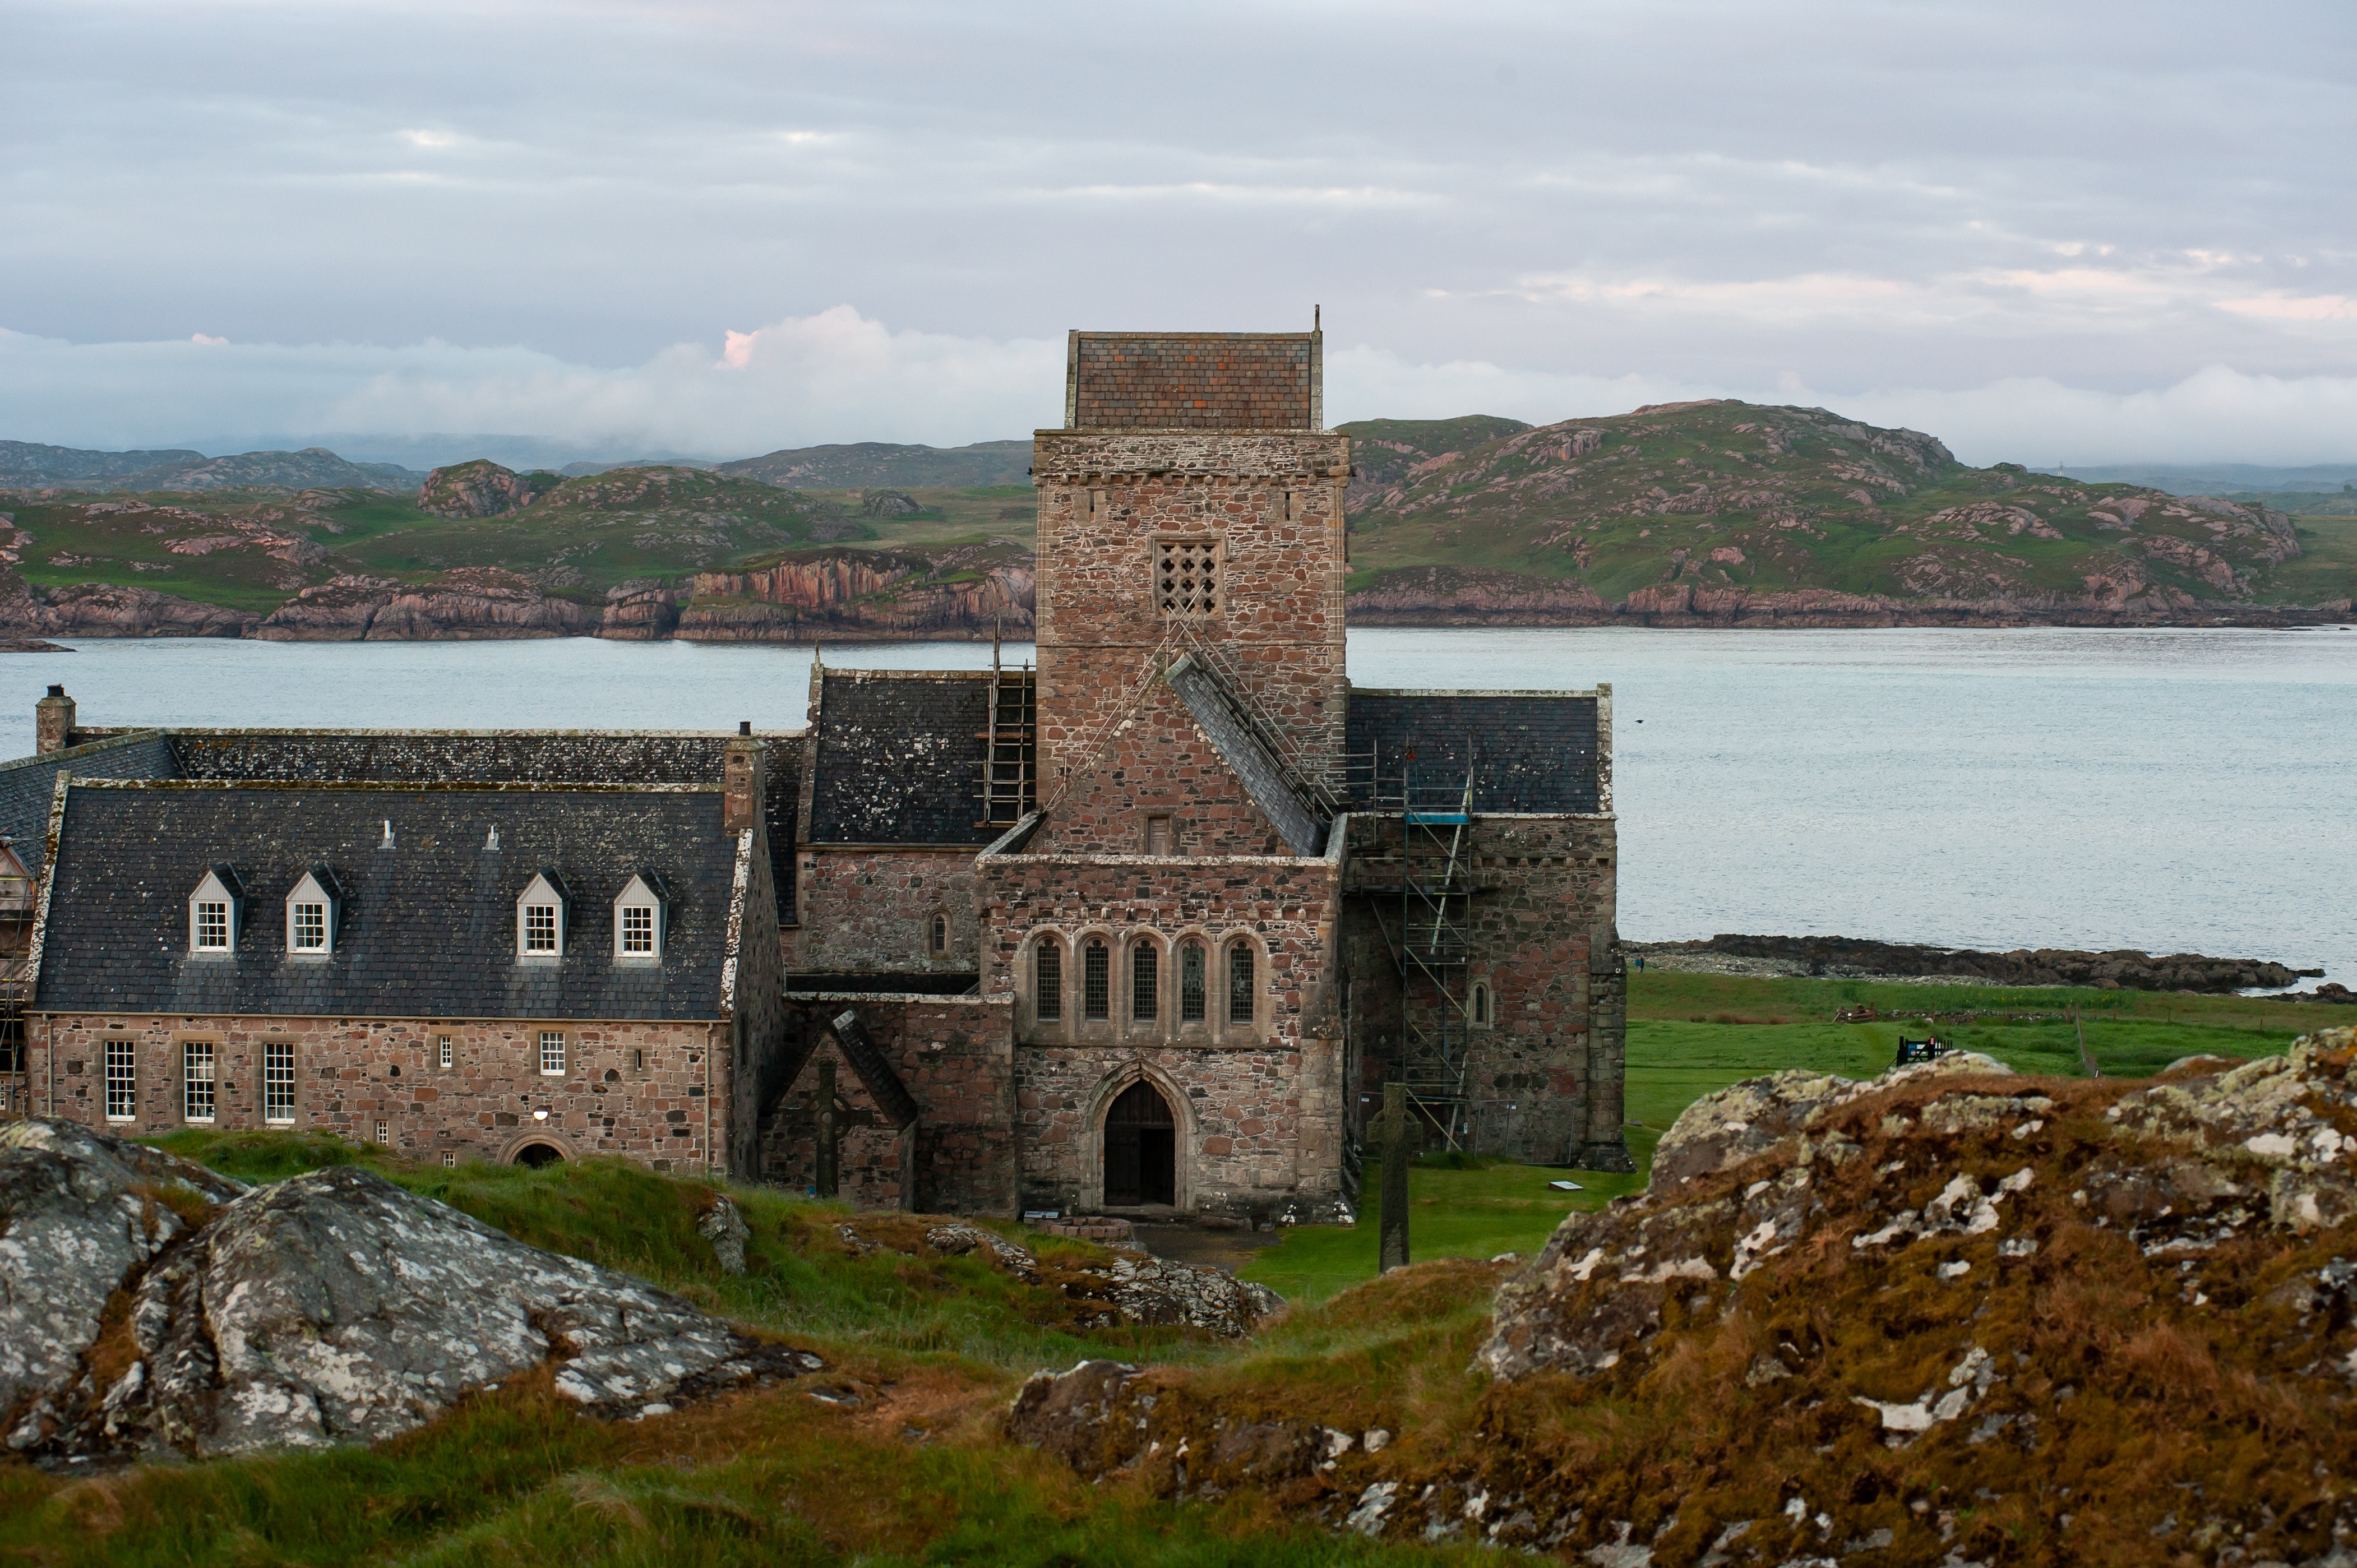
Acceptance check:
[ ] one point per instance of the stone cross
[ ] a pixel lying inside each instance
(1394, 1197)
(827, 1175)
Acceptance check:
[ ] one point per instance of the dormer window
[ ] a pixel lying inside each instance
(638, 919)
(213, 913)
(541, 919)
(312, 910)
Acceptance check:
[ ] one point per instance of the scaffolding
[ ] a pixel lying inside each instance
(16, 1082)
(1431, 949)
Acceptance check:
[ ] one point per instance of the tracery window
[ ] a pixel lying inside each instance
(1048, 982)
(1190, 982)
(1144, 983)
(1096, 982)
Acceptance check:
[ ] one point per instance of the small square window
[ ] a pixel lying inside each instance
(638, 929)
(1187, 577)
(310, 927)
(540, 927)
(552, 1052)
(213, 927)
(449, 1156)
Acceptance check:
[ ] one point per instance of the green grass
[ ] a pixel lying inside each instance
(1477, 1212)
(800, 1280)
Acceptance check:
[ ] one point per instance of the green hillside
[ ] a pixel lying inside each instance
(1720, 495)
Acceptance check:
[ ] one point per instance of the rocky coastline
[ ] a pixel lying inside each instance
(1853, 957)
(827, 600)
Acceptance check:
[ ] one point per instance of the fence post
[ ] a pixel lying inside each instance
(1395, 1210)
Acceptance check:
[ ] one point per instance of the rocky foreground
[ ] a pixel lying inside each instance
(150, 1306)
(1953, 1315)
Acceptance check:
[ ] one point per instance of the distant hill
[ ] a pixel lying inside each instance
(2217, 479)
(1721, 511)
(27, 466)
(31, 465)
(867, 463)
(1714, 512)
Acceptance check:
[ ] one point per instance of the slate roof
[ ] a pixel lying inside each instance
(483, 756)
(1193, 381)
(427, 928)
(1533, 751)
(899, 758)
(1264, 780)
(29, 784)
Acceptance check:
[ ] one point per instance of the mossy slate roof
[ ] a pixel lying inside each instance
(1534, 752)
(899, 758)
(28, 786)
(427, 929)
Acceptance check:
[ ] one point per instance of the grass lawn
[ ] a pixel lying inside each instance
(1470, 1213)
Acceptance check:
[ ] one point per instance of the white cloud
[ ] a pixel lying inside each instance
(840, 375)
(834, 376)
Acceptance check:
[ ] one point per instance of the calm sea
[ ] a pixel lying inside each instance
(2171, 791)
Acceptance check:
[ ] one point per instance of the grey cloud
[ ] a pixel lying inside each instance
(1846, 198)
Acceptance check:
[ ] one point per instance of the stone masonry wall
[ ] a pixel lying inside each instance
(865, 910)
(1273, 505)
(955, 1056)
(1259, 1106)
(1545, 914)
(637, 1089)
(1159, 764)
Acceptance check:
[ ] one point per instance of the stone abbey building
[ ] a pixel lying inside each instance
(1148, 925)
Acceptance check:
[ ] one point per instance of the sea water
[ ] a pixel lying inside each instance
(2174, 791)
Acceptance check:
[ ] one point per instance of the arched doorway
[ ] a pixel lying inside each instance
(1141, 1149)
(539, 1155)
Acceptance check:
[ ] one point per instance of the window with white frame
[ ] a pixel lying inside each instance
(1187, 577)
(539, 919)
(212, 912)
(311, 909)
(122, 1078)
(552, 1052)
(278, 1083)
(638, 919)
(383, 1131)
(197, 1080)
(444, 1054)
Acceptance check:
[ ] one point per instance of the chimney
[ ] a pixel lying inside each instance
(740, 777)
(53, 722)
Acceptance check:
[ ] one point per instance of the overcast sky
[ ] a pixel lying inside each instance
(2083, 232)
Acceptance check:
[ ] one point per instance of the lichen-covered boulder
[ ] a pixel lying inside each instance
(2292, 1119)
(1746, 1119)
(80, 1214)
(333, 1307)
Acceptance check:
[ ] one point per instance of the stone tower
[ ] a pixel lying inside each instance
(1191, 498)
